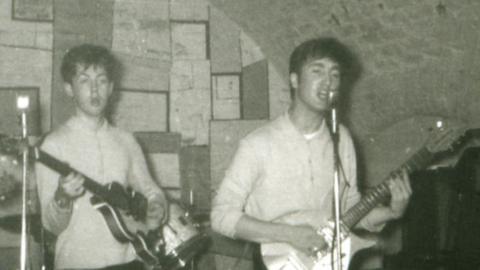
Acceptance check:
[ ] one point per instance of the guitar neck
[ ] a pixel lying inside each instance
(381, 192)
(64, 169)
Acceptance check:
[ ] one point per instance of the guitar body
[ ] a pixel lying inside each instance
(134, 203)
(147, 249)
(281, 256)
(170, 247)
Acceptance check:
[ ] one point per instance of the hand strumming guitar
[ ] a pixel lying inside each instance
(306, 239)
(69, 188)
(156, 212)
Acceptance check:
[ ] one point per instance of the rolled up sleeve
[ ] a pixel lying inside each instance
(229, 203)
(54, 218)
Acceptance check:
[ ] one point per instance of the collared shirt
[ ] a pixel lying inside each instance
(276, 171)
(106, 154)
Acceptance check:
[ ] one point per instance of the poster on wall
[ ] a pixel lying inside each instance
(32, 10)
(226, 96)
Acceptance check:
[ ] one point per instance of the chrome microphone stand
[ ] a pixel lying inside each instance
(22, 105)
(191, 212)
(336, 186)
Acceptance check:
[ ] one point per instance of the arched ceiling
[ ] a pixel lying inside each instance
(409, 49)
(420, 58)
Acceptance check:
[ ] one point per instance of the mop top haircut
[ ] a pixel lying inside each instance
(318, 48)
(86, 55)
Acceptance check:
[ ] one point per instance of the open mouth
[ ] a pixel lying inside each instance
(96, 102)
(322, 96)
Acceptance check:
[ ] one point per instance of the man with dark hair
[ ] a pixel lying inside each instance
(100, 151)
(328, 48)
(88, 55)
(286, 168)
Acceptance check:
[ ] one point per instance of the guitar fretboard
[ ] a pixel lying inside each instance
(64, 169)
(381, 192)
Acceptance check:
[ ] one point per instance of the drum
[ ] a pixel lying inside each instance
(183, 238)
(10, 178)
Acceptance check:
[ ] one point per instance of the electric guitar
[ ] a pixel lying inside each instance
(122, 208)
(281, 256)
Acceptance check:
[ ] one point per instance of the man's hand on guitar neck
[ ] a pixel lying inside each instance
(400, 191)
(69, 188)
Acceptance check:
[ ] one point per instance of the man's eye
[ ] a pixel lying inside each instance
(103, 81)
(83, 80)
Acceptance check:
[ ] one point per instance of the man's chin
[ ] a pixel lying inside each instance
(95, 112)
(322, 109)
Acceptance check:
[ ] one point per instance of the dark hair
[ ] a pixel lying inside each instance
(87, 55)
(320, 48)
(325, 47)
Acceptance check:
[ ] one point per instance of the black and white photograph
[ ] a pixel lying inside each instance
(239, 135)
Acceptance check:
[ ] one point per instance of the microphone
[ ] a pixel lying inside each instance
(23, 103)
(333, 111)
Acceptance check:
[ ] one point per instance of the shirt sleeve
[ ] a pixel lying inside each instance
(229, 202)
(54, 218)
(139, 176)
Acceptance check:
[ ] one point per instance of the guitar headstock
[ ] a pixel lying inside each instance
(444, 136)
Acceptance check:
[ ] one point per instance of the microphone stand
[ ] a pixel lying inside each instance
(190, 212)
(22, 105)
(336, 188)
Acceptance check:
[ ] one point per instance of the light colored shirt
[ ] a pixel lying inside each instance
(276, 171)
(104, 155)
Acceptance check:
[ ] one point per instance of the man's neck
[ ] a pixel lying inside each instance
(306, 121)
(91, 122)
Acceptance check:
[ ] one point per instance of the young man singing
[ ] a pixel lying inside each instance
(286, 167)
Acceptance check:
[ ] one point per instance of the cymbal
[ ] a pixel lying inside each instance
(10, 178)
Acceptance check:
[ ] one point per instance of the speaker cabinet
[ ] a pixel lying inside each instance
(441, 227)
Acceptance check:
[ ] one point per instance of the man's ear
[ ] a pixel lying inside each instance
(68, 89)
(294, 80)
